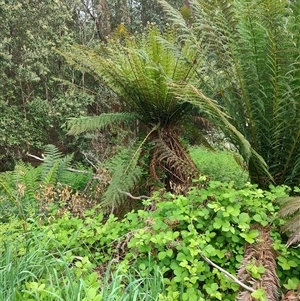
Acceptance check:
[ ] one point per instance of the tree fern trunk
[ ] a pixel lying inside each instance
(171, 162)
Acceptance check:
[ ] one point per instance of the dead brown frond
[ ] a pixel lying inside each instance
(294, 238)
(291, 209)
(65, 199)
(259, 254)
(171, 159)
(291, 296)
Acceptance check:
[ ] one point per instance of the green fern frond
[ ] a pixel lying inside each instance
(51, 177)
(174, 15)
(51, 155)
(212, 111)
(63, 168)
(6, 191)
(19, 187)
(139, 71)
(55, 166)
(83, 124)
(251, 50)
(125, 175)
(28, 177)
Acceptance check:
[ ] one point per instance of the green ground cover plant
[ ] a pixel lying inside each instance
(162, 249)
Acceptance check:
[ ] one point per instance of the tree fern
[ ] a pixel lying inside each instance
(251, 50)
(83, 124)
(139, 72)
(151, 74)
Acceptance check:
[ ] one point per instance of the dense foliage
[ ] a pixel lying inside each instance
(38, 91)
(251, 53)
(132, 220)
(34, 99)
(172, 242)
(223, 166)
(150, 74)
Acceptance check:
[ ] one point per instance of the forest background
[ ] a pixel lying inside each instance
(150, 199)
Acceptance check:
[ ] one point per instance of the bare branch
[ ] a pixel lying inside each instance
(228, 274)
(141, 197)
(35, 157)
(89, 161)
(69, 169)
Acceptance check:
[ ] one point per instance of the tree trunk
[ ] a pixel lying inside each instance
(171, 162)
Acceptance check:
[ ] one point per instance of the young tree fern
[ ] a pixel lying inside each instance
(21, 186)
(251, 50)
(145, 73)
(126, 173)
(55, 166)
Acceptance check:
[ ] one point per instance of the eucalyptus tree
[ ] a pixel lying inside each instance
(33, 103)
(149, 74)
(101, 17)
(251, 49)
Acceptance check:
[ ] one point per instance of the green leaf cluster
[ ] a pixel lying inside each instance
(212, 222)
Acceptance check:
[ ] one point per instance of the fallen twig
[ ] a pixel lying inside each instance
(141, 197)
(228, 274)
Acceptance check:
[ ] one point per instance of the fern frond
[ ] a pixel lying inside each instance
(83, 124)
(26, 179)
(125, 175)
(6, 191)
(51, 155)
(51, 177)
(170, 158)
(251, 50)
(294, 238)
(293, 224)
(174, 15)
(55, 166)
(139, 71)
(290, 206)
(212, 111)
(291, 210)
(63, 165)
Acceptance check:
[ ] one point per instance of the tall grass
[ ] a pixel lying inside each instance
(31, 270)
(132, 285)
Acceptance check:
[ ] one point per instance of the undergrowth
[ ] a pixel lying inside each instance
(156, 254)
